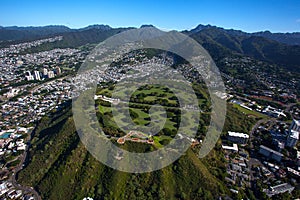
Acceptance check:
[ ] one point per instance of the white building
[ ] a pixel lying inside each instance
(233, 148)
(240, 138)
(45, 71)
(50, 74)
(29, 78)
(292, 138)
(273, 112)
(13, 92)
(295, 125)
(37, 75)
(278, 189)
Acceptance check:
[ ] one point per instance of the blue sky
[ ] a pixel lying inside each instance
(251, 15)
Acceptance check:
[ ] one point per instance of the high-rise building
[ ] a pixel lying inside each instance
(295, 125)
(45, 72)
(294, 132)
(50, 74)
(28, 76)
(292, 138)
(28, 73)
(58, 70)
(37, 75)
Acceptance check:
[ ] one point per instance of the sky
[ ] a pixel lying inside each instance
(249, 16)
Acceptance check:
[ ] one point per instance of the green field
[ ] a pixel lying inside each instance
(250, 112)
(140, 103)
(59, 166)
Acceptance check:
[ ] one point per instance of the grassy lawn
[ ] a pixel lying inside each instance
(141, 117)
(250, 112)
(147, 95)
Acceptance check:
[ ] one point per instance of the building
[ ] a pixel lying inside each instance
(279, 144)
(273, 112)
(37, 75)
(240, 138)
(294, 173)
(58, 70)
(28, 76)
(45, 72)
(13, 92)
(278, 189)
(28, 73)
(50, 74)
(270, 153)
(295, 125)
(292, 138)
(233, 148)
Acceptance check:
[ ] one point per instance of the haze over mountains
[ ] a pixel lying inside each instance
(280, 48)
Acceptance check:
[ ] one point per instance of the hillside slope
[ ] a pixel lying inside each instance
(59, 166)
(221, 43)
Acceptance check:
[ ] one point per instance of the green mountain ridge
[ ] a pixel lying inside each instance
(60, 167)
(219, 42)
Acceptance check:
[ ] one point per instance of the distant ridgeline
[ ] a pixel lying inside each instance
(278, 48)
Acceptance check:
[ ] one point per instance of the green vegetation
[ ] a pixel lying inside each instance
(13, 163)
(140, 103)
(237, 121)
(59, 166)
(250, 112)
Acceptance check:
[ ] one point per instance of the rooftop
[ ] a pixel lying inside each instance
(234, 147)
(294, 134)
(270, 150)
(297, 122)
(281, 188)
(236, 134)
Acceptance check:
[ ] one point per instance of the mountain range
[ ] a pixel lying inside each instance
(27, 33)
(279, 48)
